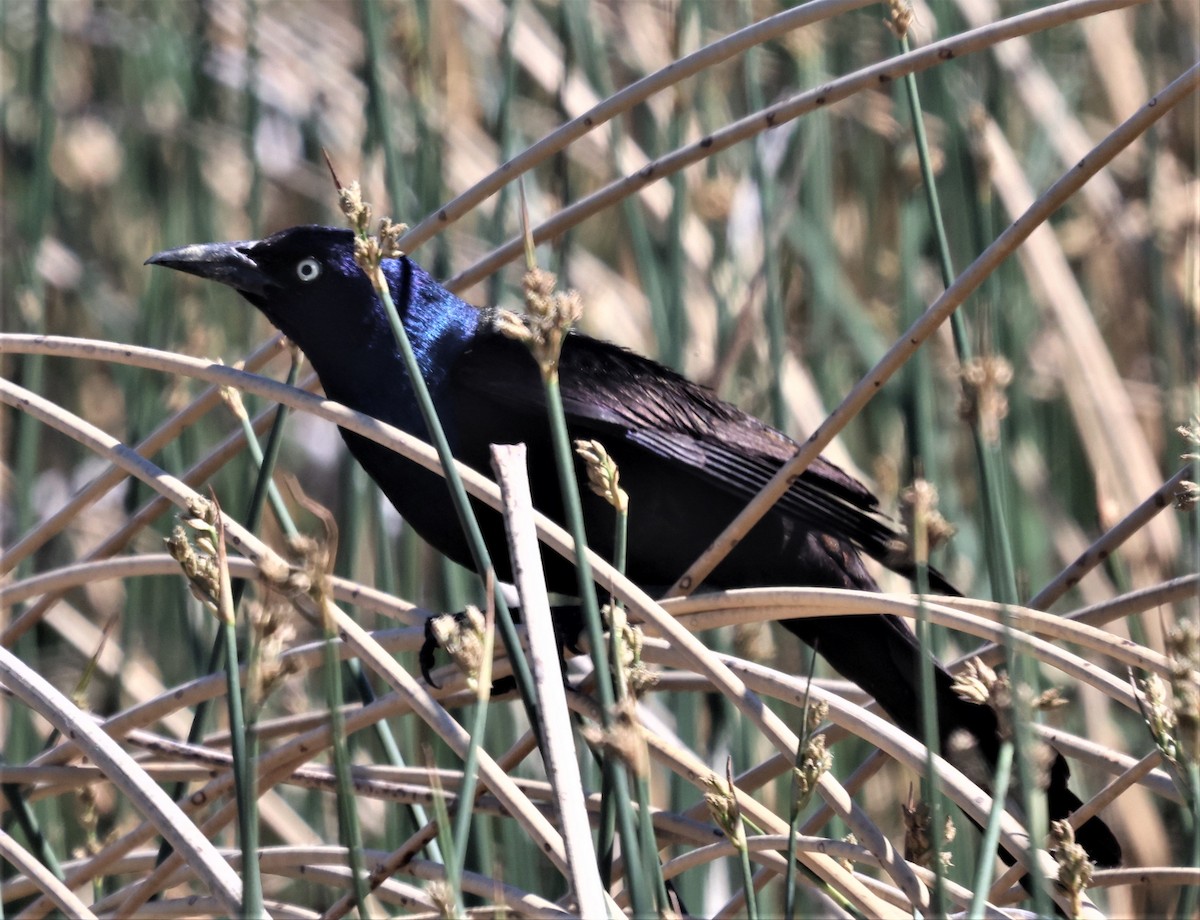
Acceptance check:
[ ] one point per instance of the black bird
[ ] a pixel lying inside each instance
(688, 460)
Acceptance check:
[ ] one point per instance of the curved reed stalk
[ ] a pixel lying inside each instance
(117, 150)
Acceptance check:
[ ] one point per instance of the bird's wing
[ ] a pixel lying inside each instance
(608, 391)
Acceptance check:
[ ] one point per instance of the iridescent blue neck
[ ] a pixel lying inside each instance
(439, 325)
(359, 360)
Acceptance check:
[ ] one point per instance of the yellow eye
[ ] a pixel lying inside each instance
(308, 269)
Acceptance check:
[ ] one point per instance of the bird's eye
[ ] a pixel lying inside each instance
(308, 269)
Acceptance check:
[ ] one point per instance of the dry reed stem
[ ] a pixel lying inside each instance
(800, 104)
(558, 751)
(954, 296)
(1123, 465)
(378, 783)
(874, 599)
(147, 798)
(275, 570)
(602, 111)
(687, 765)
(772, 727)
(166, 432)
(42, 879)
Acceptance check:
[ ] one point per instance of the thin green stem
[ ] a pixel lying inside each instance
(929, 727)
(569, 490)
(479, 551)
(446, 839)
(244, 778)
(27, 820)
(391, 749)
(606, 831)
(466, 796)
(647, 836)
(462, 507)
(773, 300)
(466, 799)
(620, 544)
(639, 886)
(805, 734)
(1001, 567)
(649, 844)
(748, 882)
(349, 830)
(244, 773)
(264, 483)
(991, 834)
(380, 109)
(920, 390)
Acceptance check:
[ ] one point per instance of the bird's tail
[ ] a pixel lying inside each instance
(881, 655)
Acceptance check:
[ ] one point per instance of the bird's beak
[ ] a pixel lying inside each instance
(228, 263)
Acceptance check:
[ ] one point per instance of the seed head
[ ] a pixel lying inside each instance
(603, 476)
(1074, 867)
(463, 639)
(984, 402)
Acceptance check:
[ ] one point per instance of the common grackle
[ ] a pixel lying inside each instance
(688, 460)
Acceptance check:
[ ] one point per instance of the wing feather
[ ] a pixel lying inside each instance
(607, 390)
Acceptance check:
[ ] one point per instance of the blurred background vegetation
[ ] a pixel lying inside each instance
(777, 271)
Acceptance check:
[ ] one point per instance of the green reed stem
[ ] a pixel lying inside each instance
(773, 300)
(639, 885)
(466, 796)
(446, 839)
(929, 724)
(789, 878)
(349, 830)
(462, 507)
(991, 834)
(245, 776)
(1001, 566)
(380, 109)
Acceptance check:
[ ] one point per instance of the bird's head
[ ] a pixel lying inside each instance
(306, 282)
(304, 279)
